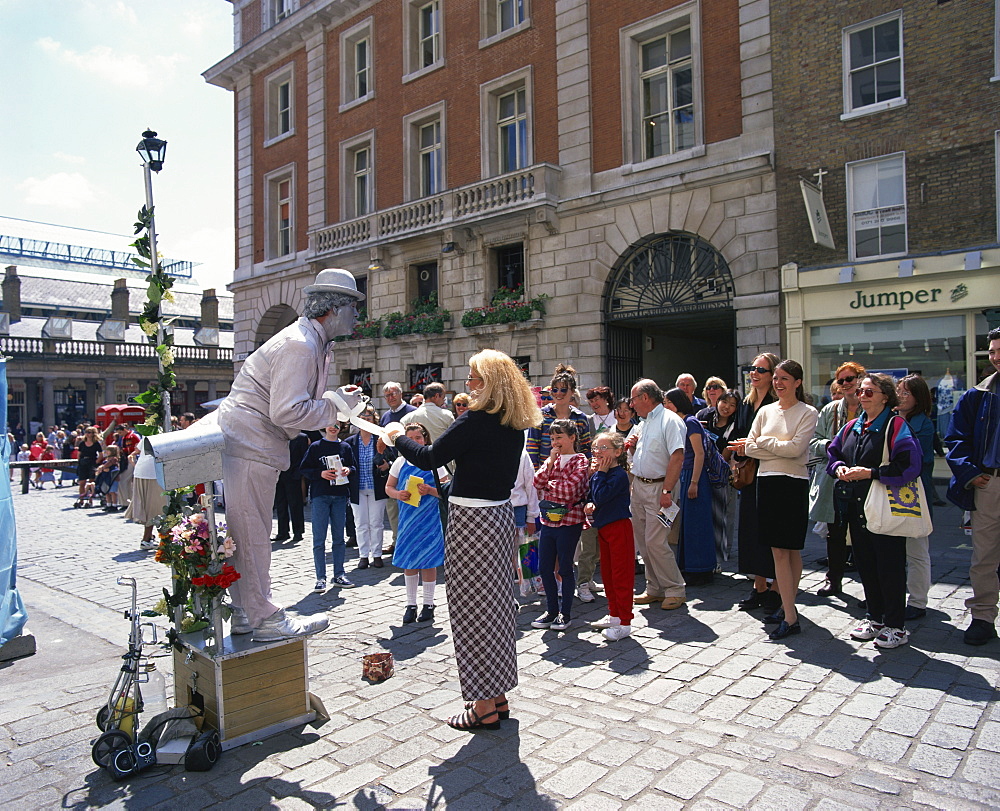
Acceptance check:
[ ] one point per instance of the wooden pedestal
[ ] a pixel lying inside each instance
(250, 690)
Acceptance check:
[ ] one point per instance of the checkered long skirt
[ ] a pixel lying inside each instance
(479, 546)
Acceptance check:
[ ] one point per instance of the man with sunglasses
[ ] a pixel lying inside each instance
(973, 440)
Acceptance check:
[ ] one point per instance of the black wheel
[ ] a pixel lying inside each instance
(103, 715)
(109, 742)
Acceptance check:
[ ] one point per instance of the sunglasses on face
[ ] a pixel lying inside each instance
(560, 391)
(842, 381)
(761, 370)
(868, 392)
(713, 387)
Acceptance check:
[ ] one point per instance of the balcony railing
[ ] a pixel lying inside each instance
(517, 191)
(24, 348)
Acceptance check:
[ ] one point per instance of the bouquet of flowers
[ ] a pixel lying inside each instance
(201, 572)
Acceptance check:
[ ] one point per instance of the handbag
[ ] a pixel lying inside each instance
(743, 469)
(377, 667)
(897, 510)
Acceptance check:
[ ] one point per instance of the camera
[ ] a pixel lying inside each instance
(131, 760)
(203, 752)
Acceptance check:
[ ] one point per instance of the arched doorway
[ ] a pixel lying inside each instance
(273, 321)
(668, 308)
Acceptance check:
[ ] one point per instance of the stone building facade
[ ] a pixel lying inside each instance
(895, 107)
(69, 304)
(614, 159)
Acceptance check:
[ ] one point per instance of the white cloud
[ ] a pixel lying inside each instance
(61, 190)
(123, 69)
(65, 158)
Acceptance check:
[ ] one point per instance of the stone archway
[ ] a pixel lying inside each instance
(668, 307)
(272, 322)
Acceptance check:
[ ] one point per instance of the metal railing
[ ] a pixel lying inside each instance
(527, 188)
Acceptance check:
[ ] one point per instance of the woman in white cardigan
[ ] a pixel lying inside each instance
(780, 439)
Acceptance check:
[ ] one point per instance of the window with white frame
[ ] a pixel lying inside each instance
(280, 9)
(424, 164)
(876, 200)
(357, 65)
(873, 65)
(661, 84)
(358, 170)
(506, 123)
(423, 37)
(512, 130)
(502, 17)
(280, 104)
(279, 188)
(667, 94)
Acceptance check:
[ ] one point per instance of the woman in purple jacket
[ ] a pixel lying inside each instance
(855, 459)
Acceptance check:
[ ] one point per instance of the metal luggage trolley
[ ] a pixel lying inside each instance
(247, 690)
(119, 718)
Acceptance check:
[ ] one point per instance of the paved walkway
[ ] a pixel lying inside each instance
(698, 709)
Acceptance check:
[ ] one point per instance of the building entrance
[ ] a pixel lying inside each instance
(668, 308)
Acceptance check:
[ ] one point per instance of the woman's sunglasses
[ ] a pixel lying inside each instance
(842, 381)
(761, 370)
(559, 391)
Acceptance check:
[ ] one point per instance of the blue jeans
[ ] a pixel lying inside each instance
(328, 511)
(558, 542)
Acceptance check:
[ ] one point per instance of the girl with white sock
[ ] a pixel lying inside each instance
(420, 540)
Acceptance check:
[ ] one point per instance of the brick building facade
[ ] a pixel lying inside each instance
(614, 157)
(896, 107)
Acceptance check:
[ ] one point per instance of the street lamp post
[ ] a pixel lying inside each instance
(153, 151)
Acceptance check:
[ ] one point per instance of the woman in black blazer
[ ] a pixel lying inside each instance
(367, 484)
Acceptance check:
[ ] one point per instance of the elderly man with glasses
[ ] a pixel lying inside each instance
(657, 447)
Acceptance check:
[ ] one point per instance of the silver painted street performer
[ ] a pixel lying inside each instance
(279, 391)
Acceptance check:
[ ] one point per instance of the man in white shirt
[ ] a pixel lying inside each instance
(432, 414)
(657, 446)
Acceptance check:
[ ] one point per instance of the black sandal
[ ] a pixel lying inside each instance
(503, 714)
(469, 720)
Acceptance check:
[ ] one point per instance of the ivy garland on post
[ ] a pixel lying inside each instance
(151, 322)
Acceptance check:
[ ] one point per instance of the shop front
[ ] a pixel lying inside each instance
(926, 316)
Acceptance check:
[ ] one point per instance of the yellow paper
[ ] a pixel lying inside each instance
(411, 487)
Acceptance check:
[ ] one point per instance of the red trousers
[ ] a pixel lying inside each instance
(618, 567)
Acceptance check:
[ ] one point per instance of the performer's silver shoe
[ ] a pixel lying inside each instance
(279, 626)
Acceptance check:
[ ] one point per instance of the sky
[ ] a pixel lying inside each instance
(79, 82)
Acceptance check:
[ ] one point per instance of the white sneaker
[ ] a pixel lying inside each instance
(617, 632)
(584, 593)
(149, 544)
(238, 622)
(605, 622)
(278, 626)
(560, 623)
(867, 631)
(597, 588)
(892, 638)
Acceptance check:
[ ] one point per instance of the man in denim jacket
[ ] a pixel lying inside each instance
(974, 456)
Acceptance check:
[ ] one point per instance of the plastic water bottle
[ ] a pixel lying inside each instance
(154, 692)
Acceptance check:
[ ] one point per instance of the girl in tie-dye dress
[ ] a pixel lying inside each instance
(420, 540)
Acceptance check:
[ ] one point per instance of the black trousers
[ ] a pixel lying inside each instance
(289, 506)
(881, 562)
(836, 550)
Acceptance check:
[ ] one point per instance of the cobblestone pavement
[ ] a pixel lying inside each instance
(697, 709)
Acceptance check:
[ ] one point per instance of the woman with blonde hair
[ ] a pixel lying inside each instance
(460, 402)
(485, 445)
